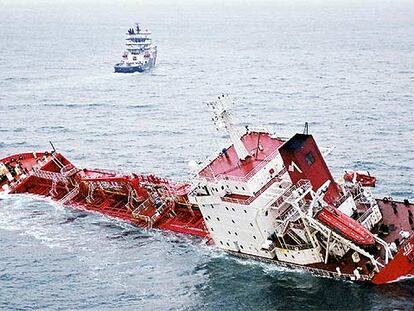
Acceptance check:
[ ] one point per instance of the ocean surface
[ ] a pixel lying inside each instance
(347, 69)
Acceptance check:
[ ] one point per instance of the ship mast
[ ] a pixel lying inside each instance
(222, 119)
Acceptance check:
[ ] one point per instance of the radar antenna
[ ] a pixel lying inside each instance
(222, 119)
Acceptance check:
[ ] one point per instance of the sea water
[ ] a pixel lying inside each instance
(347, 69)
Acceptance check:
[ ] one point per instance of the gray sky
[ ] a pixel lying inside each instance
(100, 3)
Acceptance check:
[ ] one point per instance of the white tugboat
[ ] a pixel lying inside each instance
(139, 55)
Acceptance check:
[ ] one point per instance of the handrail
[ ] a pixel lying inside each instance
(68, 170)
(365, 215)
(301, 184)
(298, 247)
(342, 199)
(49, 175)
(262, 190)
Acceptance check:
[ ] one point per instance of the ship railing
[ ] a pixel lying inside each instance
(332, 274)
(68, 170)
(159, 210)
(298, 247)
(365, 215)
(197, 192)
(250, 199)
(285, 219)
(149, 202)
(301, 187)
(150, 178)
(53, 176)
(343, 198)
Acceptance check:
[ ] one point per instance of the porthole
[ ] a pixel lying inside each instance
(251, 225)
(237, 188)
(218, 219)
(228, 244)
(235, 233)
(241, 246)
(243, 188)
(221, 242)
(229, 232)
(227, 208)
(233, 221)
(254, 237)
(233, 209)
(222, 187)
(212, 229)
(245, 211)
(267, 213)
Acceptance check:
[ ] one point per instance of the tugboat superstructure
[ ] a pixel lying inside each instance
(139, 55)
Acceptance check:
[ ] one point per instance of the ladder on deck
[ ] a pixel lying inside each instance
(70, 195)
(291, 216)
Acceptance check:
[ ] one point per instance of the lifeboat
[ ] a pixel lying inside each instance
(346, 226)
(364, 178)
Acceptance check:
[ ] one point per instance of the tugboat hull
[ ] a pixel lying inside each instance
(121, 68)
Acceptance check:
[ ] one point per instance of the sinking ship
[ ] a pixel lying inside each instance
(261, 197)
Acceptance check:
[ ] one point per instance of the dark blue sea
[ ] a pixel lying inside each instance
(345, 67)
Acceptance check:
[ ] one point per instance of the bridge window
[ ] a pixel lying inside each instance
(309, 158)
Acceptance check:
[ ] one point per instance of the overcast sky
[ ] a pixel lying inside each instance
(60, 3)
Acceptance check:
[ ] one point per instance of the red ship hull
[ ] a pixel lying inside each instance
(146, 201)
(153, 202)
